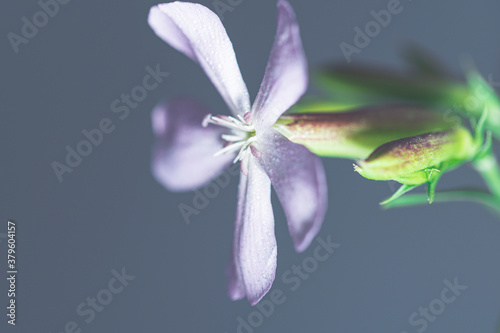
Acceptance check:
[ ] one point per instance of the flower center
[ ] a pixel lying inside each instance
(242, 136)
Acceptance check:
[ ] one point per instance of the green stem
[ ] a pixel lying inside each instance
(483, 198)
(488, 168)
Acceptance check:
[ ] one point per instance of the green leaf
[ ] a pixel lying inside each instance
(425, 64)
(318, 105)
(402, 190)
(476, 196)
(434, 176)
(370, 84)
(482, 97)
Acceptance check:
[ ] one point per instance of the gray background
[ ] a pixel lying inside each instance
(110, 213)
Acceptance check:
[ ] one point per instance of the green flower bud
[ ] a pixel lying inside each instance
(416, 160)
(362, 85)
(355, 134)
(348, 83)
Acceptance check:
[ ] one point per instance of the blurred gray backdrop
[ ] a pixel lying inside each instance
(109, 217)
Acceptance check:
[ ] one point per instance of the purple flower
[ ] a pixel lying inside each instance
(189, 137)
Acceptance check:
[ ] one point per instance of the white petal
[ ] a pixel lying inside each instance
(183, 156)
(197, 32)
(286, 77)
(257, 244)
(236, 286)
(299, 179)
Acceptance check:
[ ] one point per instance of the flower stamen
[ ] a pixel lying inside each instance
(243, 149)
(232, 138)
(242, 137)
(232, 147)
(227, 121)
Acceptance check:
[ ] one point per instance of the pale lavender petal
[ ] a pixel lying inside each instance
(299, 179)
(286, 77)
(257, 249)
(197, 32)
(236, 286)
(183, 154)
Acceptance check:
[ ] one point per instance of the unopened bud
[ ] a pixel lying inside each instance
(413, 160)
(355, 134)
(351, 83)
